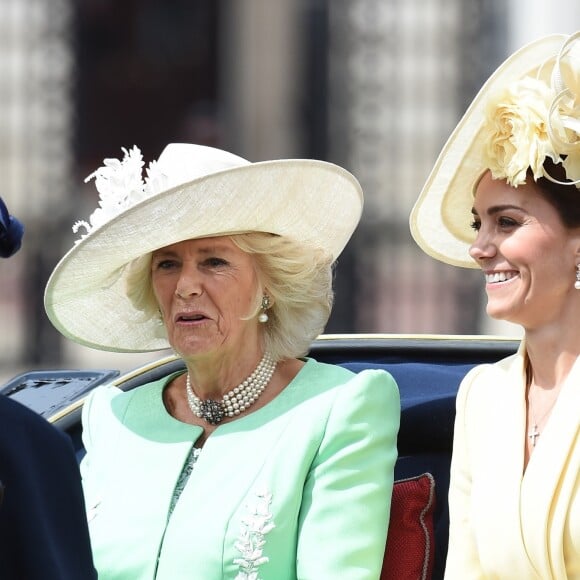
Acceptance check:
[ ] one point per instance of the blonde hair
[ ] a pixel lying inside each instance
(296, 278)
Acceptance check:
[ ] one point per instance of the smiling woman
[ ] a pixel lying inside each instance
(258, 458)
(527, 253)
(513, 163)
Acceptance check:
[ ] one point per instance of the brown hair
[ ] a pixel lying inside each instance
(565, 199)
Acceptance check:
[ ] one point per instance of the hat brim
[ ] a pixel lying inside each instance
(440, 219)
(315, 202)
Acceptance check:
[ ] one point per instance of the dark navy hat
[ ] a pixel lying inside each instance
(11, 232)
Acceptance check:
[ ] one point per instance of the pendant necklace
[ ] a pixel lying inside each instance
(534, 432)
(237, 399)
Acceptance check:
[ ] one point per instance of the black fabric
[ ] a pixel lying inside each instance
(43, 528)
(11, 232)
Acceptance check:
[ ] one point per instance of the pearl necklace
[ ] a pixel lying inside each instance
(235, 401)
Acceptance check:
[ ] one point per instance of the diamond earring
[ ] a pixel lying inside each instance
(263, 316)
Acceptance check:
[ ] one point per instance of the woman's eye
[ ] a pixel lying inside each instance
(475, 225)
(164, 264)
(506, 222)
(215, 262)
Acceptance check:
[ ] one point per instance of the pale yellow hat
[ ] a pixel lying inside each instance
(191, 191)
(441, 219)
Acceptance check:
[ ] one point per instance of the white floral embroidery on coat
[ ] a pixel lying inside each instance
(251, 541)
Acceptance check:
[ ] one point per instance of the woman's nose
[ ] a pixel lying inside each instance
(482, 248)
(189, 283)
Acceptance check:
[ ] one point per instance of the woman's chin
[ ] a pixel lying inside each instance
(500, 312)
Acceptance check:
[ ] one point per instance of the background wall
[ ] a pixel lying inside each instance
(373, 85)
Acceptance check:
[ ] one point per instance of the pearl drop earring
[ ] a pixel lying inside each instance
(577, 283)
(263, 316)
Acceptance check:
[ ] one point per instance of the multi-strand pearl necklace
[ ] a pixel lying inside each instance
(235, 401)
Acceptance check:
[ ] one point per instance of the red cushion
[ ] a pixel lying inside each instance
(411, 539)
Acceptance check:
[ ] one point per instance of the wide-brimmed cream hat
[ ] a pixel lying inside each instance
(191, 191)
(441, 219)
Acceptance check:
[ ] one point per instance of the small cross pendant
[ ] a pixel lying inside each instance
(533, 434)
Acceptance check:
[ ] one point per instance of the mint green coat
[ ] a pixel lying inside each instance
(300, 488)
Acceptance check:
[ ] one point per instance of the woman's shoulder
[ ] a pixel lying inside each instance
(329, 371)
(110, 395)
(485, 378)
(343, 380)
(342, 374)
(346, 398)
(490, 370)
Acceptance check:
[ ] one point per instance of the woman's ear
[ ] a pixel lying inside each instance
(575, 242)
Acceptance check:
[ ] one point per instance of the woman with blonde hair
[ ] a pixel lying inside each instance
(254, 461)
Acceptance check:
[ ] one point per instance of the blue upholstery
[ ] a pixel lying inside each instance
(428, 391)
